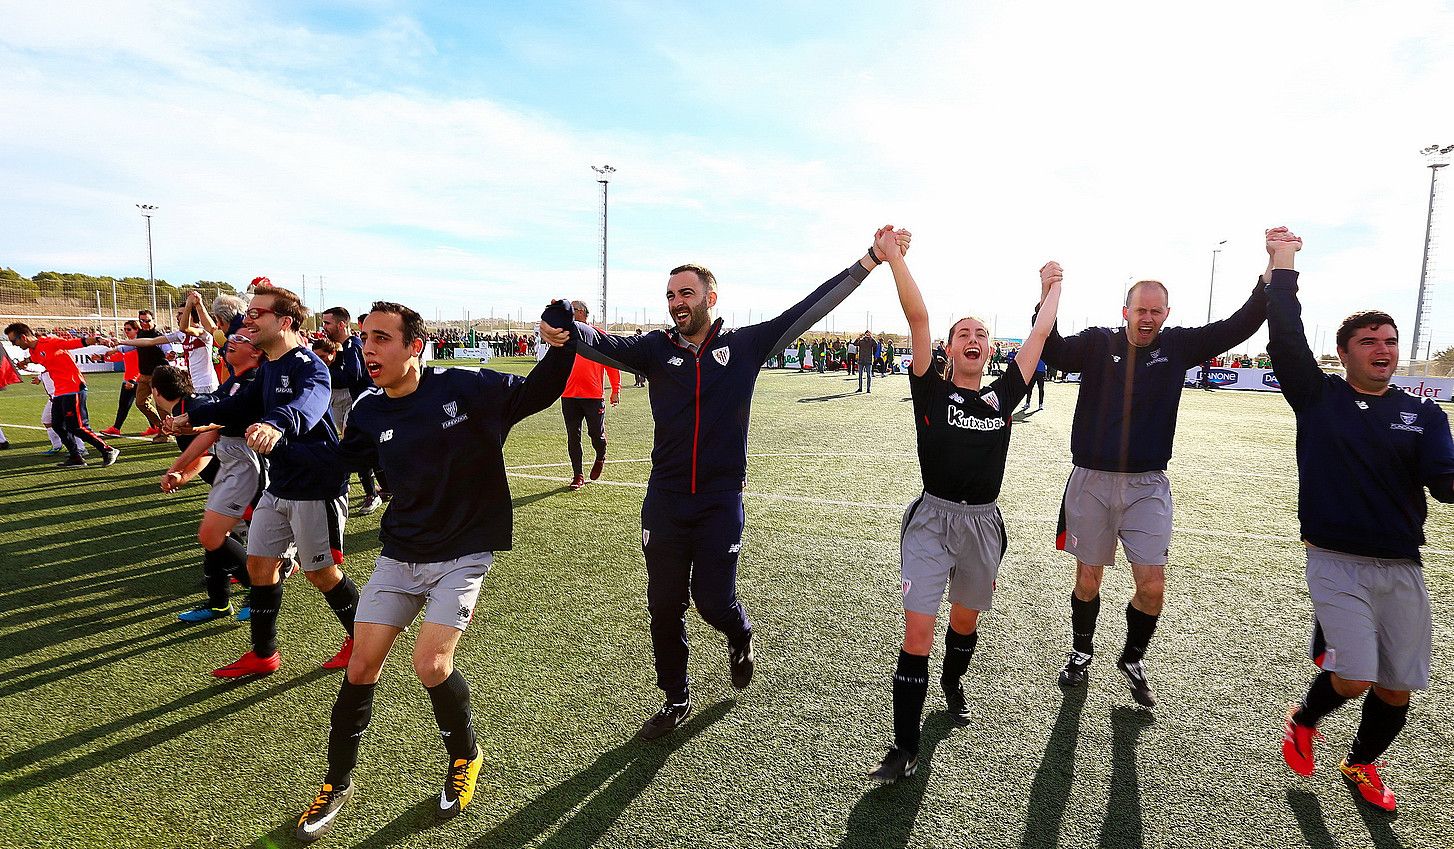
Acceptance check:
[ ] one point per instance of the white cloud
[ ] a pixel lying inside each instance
(1121, 140)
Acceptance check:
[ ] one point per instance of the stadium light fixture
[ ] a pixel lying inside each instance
(603, 177)
(147, 210)
(1435, 157)
(1212, 286)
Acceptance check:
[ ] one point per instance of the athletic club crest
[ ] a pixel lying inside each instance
(722, 355)
(451, 409)
(1409, 418)
(992, 399)
(283, 379)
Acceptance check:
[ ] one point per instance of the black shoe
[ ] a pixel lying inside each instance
(954, 701)
(742, 663)
(1136, 679)
(110, 455)
(671, 715)
(897, 764)
(1077, 669)
(72, 463)
(4, 446)
(318, 819)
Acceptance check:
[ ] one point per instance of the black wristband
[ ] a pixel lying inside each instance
(873, 255)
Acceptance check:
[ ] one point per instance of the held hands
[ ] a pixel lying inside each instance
(176, 425)
(263, 438)
(891, 244)
(1283, 240)
(553, 336)
(1051, 274)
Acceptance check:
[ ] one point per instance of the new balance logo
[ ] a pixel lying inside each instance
(465, 613)
(386, 435)
(735, 548)
(1115, 358)
(318, 558)
(675, 361)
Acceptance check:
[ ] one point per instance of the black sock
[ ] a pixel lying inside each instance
(451, 701)
(958, 650)
(343, 598)
(1320, 700)
(214, 569)
(911, 685)
(352, 711)
(265, 601)
(1381, 723)
(1083, 615)
(1139, 628)
(236, 562)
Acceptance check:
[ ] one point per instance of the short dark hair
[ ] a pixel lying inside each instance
(326, 345)
(171, 382)
(338, 313)
(1358, 320)
(413, 322)
(703, 274)
(18, 328)
(140, 313)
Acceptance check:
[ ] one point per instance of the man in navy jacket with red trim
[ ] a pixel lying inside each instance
(700, 382)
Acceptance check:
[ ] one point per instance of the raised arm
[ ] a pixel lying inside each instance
(1032, 348)
(543, 385)
(773, 334)
(1297, 370)
(921, 342)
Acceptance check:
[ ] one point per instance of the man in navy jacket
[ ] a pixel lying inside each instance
(701, 378)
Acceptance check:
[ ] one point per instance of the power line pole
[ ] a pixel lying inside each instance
(147, 210)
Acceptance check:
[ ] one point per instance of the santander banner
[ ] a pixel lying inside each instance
(1265, 380)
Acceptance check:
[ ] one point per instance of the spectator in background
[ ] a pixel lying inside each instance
(129, 372)
(867, 352)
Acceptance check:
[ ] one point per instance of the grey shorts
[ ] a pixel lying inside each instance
(339, 404)
(397, 591)
(1374, 617)
(945, 543)
(1103, 507)
(235, 486)
(315, 527)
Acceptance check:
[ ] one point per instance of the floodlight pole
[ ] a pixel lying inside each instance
(1212, 286)
(1438, 158)
(605, 172)
(147, 210)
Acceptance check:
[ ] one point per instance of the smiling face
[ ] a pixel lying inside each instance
(969, 346)
(1371, 357)
(242, 356)
(1145, 311)
(690, 302)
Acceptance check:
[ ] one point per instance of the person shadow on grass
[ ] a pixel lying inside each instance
(610, 784)
(1310, 819)
(1122, 826)
(885, 815)
(1050, 789)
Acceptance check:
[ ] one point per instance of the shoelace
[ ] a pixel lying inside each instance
(459, 776)
(324, 797)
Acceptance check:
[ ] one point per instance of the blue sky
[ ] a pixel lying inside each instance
(439, 153)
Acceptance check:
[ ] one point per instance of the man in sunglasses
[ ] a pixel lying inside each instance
(303, 505)
(147, 360)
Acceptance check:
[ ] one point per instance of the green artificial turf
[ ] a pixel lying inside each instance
(113, 734)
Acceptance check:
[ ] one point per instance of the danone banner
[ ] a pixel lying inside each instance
(1265, 380)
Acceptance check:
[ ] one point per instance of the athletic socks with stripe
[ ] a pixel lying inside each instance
(1139, 628)
(1083, 615)
(911, 685)
(343, 598)
(266, 599)
(215, 568)
(451, 701)
(352, 711)
(958, 651)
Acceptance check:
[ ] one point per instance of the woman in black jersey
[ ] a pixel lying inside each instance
(953, 535)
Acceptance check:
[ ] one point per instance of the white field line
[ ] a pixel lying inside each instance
(98, 433)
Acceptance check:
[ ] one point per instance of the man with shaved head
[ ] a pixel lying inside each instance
(1120, 444)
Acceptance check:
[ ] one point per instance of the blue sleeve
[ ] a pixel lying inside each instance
(241, 409)
(628, 353)
(1436, 455)
(1287, 344)
(525, 396)
(1212, 339)
(310, 401)
(1065, 354)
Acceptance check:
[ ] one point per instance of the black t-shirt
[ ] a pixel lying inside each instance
(148, 358)
(964, 436)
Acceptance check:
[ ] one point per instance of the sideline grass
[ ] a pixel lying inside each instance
(112, 733)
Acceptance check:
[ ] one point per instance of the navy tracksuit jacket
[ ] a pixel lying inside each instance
(692, 518)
